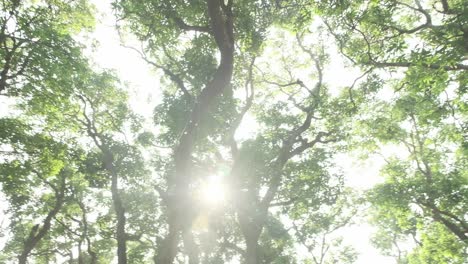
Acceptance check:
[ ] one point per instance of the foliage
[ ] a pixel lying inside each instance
(86, 181)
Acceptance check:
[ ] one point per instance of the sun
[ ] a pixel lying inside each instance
(213, 191)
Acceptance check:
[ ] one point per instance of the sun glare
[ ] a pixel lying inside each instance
(213, 191)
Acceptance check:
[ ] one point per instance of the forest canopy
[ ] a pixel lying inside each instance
(259, 107)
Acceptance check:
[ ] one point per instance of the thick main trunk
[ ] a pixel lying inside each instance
(168, 249)
(180, 209)
(252, 255)
(251, 228)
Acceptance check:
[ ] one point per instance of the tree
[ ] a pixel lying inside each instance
(190, 93)
(430, 182)
(424, 116)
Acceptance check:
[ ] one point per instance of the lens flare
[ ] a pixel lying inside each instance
(213, 191)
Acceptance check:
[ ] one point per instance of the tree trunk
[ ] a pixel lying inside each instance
(121, 220)
(251, 228)
(252, 255)
(191, 247)
(80, 254)
(167, 251)
(180, 206)
(121, 235)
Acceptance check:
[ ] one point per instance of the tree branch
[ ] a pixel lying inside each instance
(173, 76)
(455, 67)
(182, 25)
(248, 104)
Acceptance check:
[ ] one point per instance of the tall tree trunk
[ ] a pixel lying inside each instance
(180, 205)
(252, 255)
(121, 235)
(168, 248)
(251, 226)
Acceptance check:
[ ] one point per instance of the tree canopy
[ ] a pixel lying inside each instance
(84, 179)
